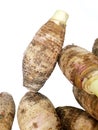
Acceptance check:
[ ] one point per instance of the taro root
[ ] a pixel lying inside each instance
(7, 111)
(95, 47)
(87, 101)
(42, 53)
(80, 67)
(73, 118)
(36, 112)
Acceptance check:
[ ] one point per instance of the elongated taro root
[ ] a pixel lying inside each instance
(7, 111)
(87, 101)
(36, 112)
(42, 53)
(95, 47)
(80, 67)
(73, 118)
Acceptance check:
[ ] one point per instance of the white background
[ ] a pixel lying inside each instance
(19, 21)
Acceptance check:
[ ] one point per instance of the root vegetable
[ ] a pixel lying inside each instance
(95, 47)
(41, 55)
(87, 101)
(73, 118)
(36, 112)
(80, 67)
(7, 111)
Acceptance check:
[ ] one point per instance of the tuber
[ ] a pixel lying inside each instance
(73, 118)
(95, 47)
(36, 112)
(7, 111)
(87, 101)
(80, 67)
(42, 53)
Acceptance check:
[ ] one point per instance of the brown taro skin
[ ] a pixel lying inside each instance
(41, 55)
(87, 101)
(95, 47)
(7, 111)
(73, 118)
(36, 112)
(78, 65)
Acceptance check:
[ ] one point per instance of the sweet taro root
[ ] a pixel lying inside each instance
(7, 111)
(80, 67)
(42, 53)
(36, 112)
(73, 118)
(95, 47)
(87, 101)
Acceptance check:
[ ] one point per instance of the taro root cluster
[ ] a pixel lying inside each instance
(80, 67)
